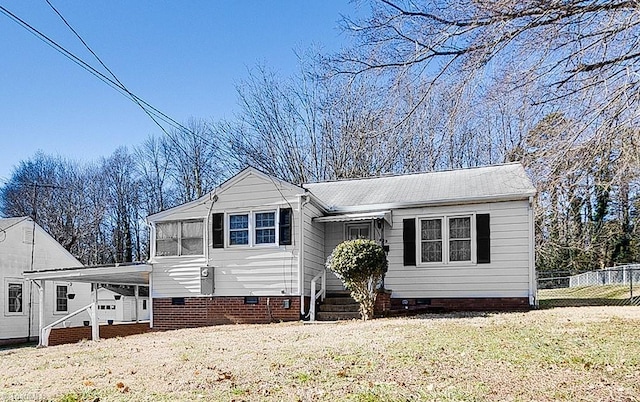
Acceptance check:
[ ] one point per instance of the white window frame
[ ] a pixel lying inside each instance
(179, 223)
(55, 298)
(349, 225)
(446, 240)
(442, 240)
(11, 281)
(228, 230)
(276, 224)
(252, 228)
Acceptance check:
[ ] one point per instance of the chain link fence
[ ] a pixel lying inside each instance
(618, 286)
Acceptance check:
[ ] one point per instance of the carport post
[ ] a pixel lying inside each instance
(95, 329)
(40, 311)
(137, 301)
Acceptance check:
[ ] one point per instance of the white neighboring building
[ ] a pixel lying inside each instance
(119, 304)
(25, 246)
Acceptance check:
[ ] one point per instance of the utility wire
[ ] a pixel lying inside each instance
(124, 88)
(50, 42)
(153, 113)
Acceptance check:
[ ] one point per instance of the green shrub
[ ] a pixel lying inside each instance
(361, 265)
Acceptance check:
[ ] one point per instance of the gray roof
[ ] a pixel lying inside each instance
(481, 184)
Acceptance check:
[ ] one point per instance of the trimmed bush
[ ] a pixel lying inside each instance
(361, 265)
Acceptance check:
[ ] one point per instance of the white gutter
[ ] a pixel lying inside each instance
(301, 203)
(430, 203)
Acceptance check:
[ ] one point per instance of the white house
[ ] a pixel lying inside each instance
(118, 304)
(25, 246)
(250, 250)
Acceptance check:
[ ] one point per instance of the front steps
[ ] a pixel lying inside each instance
(338, 306)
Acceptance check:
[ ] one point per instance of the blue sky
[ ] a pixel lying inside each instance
(183, 57)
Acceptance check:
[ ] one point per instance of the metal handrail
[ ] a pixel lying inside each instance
(91, 309)
(319, 294)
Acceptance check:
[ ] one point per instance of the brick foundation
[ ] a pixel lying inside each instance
(61, 336)
(216, 310)
(459, 304)
(383, 303)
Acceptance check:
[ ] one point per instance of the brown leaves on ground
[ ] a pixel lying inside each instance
(562, 354)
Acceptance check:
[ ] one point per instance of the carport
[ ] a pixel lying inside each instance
(131, 274)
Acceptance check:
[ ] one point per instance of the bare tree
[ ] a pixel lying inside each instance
(153, 163)
(579, 56)
(193, 159)
(120, 179)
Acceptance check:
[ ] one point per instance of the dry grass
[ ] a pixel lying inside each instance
(602, 295)
(589, 354)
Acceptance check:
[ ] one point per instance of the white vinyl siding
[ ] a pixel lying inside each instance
(506, 276)
(239, 270)
(314, 240)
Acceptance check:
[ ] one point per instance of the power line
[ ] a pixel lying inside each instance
(153, 113)
(123, 87)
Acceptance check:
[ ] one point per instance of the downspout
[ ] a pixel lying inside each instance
(302, 203)
(152, 251)
(533, 291)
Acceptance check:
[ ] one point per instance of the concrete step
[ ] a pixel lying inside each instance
(337, 315)
(338, 300)
(339, 293)
(339, 307)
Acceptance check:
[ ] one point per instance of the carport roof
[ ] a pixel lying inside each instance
(118, 274)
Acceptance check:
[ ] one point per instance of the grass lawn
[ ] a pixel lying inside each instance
(616, 295)
(571, 354)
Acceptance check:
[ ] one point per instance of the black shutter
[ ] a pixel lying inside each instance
(285, 226)
(483, 239)
(409, 241)
(218, 230)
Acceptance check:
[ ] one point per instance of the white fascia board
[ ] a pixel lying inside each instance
(162, 215)
(79, 273)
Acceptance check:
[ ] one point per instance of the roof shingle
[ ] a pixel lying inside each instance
(497, 182)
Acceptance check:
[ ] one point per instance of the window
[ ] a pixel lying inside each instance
(256, 228)
(167, 239)
(431, 240)
(191, 238)
(265, 227)
(61, 298)
(14, 291)
(179, 238)
(144, 304)
(460, 239)
(358, 231)
(446, 239)
(238, 229)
